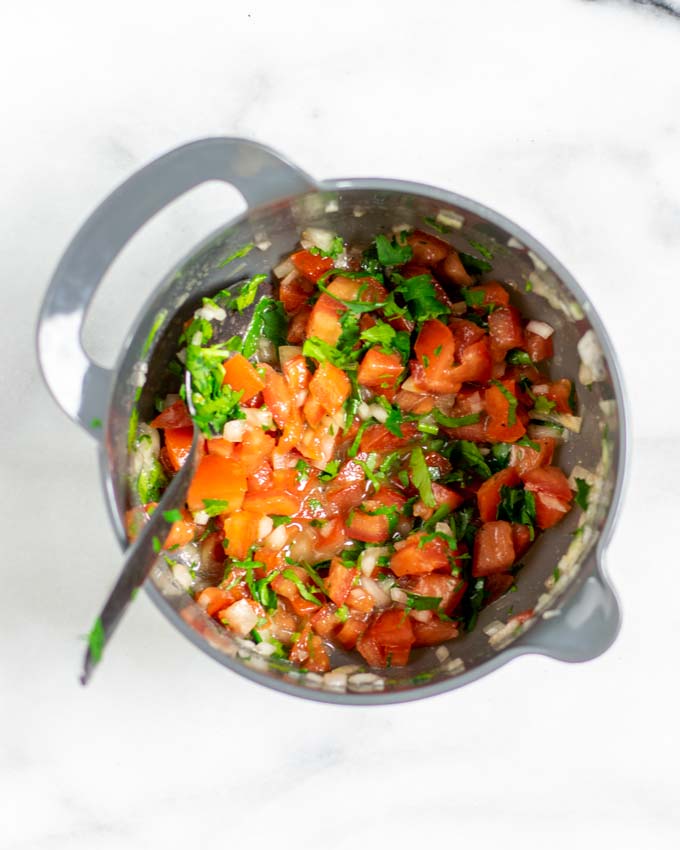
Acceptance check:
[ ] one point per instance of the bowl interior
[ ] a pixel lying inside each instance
(561, 559)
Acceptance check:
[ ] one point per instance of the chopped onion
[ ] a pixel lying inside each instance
(539, 432)
(581, 472)
(287, 352)
(235, 430)
(258, 417)
(542, 329)
(550, 501)
(285, 461)
(540, 389)
(566, 420)
(441, 653)
(284, 268)
(421, 616)
(443, 528)
(379, 413)
(182, 575)
(241, 617)
(317, 237)
(382, 599)
(266, 352)
(277, 539)
(364, 411)
(201, 517)
(368, 559)
(398, 595)
(208, 312)
(265, 527)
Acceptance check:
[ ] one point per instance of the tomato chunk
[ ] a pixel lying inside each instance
(218, 479)
(340, 581)
(505, 329)
(489, 494)
(311, 266)
(379, 370)
(178, 445)
(416, 559)
(434, 632)
(388, 640)
(242, 376)
(241, 532)
(494, 550)
(504, 423)
(330, 386)
(175, 415)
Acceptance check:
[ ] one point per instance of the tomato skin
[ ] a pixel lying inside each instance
(217, 478)
(449, 588)
(325, 621)
(214, 599)
(550, 510)
(388, 639)
(297, 328)
(496, 585)
(379, 370)
(174, 416)
(434, 632)
(242, 376)
(521, 538)
(277, 396)
(311, 266)
(294, 292)
(452, 268)
(498, 428)
(494, 551)
(376, 438)
(350, 631)
(489, 493)
(347, 489)
(505, 329)
(414, 559)
(524, 458)
(255, 448)
(560, 392)
(241, 532)
(427, 249)
(178, 445)
(181, 532)
(324, 319)
(538, 348)
(330, 386)
(340, 581)
(330, 539)
(548, 479)
(475, 363)
(369, 528)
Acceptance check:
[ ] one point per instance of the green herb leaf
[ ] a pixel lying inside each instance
(416, 602)
(380, 334)
(391, 253)
(337, 247)
(95, 423)
(421, 296)
(455, 421)
(420, 475)
(472, 458)
(582, 493)
(330, 471)
(238, 253)
(482, 249)
(512, 401)
(269, 320)
(517, 357)
(95, 640)
(436, 225)
(151, 482)
(246, 294)
(172, 516)
(473, 265)
(281, 520)
(473, 298)
(301, 587)
(542, 405)
(476, 602)
(156, 543)
(517, 505)
(213, 507)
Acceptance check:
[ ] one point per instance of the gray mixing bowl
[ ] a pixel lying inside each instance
(574, 615)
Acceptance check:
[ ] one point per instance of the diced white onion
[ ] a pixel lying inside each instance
(364, 411)
(550, 501)
(581, 472)
(287, 352)
(210, 313)
(284, 461)
(265, 648)
(235, 430)
(139, 373)
(258, 417)
(592, 359)
(540, 389)
(284, 268)
(542, 329)
(368, 559)
(241, 617)
(277, 539)
(441, 653)
(201, 517)
(331, 206)
(382, 599)
(197, 338)
(443, 528)
(182, 575)
(421, 616)
(264, 245)
(265, 527)
(317, 237)
(566, 420)
(539, 432)
(398, 595)
(182, 356)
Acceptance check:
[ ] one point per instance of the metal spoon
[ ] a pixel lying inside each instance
(141, 555)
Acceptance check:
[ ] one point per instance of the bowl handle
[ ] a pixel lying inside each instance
(586, 627)
(79, 385)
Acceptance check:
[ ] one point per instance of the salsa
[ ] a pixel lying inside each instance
(377, 452)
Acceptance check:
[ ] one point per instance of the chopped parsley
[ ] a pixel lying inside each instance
(246, 294)
(269, 321)
(436, 225)
(421, 296)
(543, 405)
(238, 253)
(213, 507)
(512, 401)
(391, 253)
(420, 476)
(517, 357)
(301, 586)
(415, 602)
(337, 247)
(172, 516)
(474, 265)
(95, 640)
(582, 493)
(455, 421)
(517, 505)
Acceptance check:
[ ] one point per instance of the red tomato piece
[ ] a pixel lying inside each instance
(537, 347)
(494, 551)
(370, 528)
(489, 494)
(376, 438)
(496, 585)
(379, 370)
(427, 249)
(360, 600)
(174, 416)
(449, 589)
(550, 510)
(311, 266)
(347, 489)
(325, 621)
(494, 293)
(330, 386)
(241, 532)
(277, 396)
(296, 373)
(521, 538)
(340, 581)
(498, 407)
(560, 392)
(297, 329)
(505, 329)
(214, 599)
(413, 559)
(350, 631)
(242, 376)
(255, 448)
(181, 532)
(324, 320)
(219, 479)
(178, 445)
(294, 292)
(524, 458)
(388, 640)
(434, 632)
(548, 479)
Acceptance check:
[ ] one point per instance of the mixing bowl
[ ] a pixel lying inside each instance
(567, 607)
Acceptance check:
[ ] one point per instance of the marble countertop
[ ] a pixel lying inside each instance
(565, 116)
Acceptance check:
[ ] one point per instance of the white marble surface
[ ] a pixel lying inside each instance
(564, 115)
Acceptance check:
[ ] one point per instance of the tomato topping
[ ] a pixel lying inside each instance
(388, 640)
(175, 415)
(501, 403)
(330, 386)
(241, 532)
(537, 347)
(219, 480)
(311, 266)
(433, 632)
(241, 375)
(505, 329)
(294, 292)
(418, 556)
(178, 445)
(494, 550)
(489, 494)
(379, 370)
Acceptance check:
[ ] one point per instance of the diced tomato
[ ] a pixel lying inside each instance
(181, 532)
(434, 632)
(325, 620)
(449, 589)
(137, 517)
(476, 433)
(414, 559)
(297, 328)
(521, 538)
(219, 446)
(255, 448)
(360, 600)
(376, 438)
(475, 363)
(241, 532)
(318, 661)
(453, 269)
(296, 373)
(379, 370)
(552, 494)
(537, 347)
(324, 320)
(330, 386)
(261, 479)
(350, 631)
(494, 551)
(174, 416)
(318, 445)
(550, 510)
(178, 445)
(428, 250)
(277, 397)
(442, 496)
(434, 348)
(340, 581)
(496, 585)
(560, 393)
(388, 640)
(347, 489)
(219, 479)
(242, 376)
(313, 411)
(294, 292)
(524, 458)
(494, 293)
(489, 494)
(498, 427)
(409, 402)
(370, 528)
(330, 539)
(214, 599)
(311, 266)
(505, 329)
